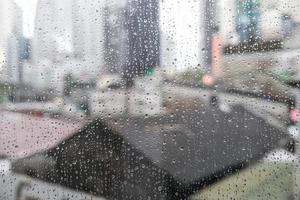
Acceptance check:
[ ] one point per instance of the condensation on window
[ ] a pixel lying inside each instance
(149, 99)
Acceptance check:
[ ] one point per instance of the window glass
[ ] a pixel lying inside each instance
(149, 99)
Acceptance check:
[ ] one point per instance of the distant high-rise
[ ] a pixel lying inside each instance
(53, 29)
(119, 36)
(11, 31)
(68, 38)
(116, 36)
(132, 36)
(183, 42)
(88, 30)
(142, 23)
(10, 21)
(73, 27)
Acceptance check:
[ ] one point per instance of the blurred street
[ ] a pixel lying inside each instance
(19, 134)
(182, 140)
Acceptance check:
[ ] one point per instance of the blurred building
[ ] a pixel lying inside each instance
(116, 36)
(68, 38)
(54, 29)
(132, 36)
(275, 14)
(183, 35)
(88, 37)
(143, 36)
(88, 32)
(10, 34)
(266, 17)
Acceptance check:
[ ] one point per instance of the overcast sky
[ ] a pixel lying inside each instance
(28, 7)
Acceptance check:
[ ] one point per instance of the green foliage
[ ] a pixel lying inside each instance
(191, 75)
(264, 180)
(5, 91)
(283, 76)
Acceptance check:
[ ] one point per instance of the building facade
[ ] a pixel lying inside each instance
(182, 33)
(11, 31)
(264, 16)
(120, 36)
(68, 38)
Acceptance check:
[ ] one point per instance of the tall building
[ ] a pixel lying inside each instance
(11, 31)
(68, 38)
(69, 27)
(132, 36)
(120, 36)
(143, 28)
(116, 36)
(53, 30)
(183, 42)
(88, 31)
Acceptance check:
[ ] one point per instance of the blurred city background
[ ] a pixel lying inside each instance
(42, 45)
(69, 62)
